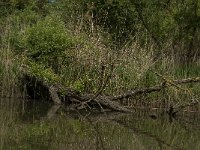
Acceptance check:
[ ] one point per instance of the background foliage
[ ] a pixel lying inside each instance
(86, 41)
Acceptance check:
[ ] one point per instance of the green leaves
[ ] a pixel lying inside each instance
(40, 71)
(47, 42)
(48, 36)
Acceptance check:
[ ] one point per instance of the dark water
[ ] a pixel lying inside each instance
(35, 125)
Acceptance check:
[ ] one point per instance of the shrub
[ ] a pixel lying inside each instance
(48, 42)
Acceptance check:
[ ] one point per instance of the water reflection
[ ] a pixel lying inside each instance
(39, 125)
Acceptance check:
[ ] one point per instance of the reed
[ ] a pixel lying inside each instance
(9, 65)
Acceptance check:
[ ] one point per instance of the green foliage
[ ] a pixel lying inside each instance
(19, 22)
(46, 42)
(68, 10)
(47, 34)
(85, 83)
(40, 71)
(120, 19)
(46, 38)
(79, 86)
(8, 7)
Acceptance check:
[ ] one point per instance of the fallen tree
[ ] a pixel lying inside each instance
(60, 93)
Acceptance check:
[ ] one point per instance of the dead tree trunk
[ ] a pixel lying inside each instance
(58, 93)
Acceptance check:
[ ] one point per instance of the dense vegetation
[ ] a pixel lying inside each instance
(82, 43)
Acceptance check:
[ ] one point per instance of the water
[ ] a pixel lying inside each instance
(35, 125)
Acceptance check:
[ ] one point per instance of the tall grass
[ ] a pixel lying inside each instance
(93, 61)
(9, 64)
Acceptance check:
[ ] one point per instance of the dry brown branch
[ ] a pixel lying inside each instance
(156, 88)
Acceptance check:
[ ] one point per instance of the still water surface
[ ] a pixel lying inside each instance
(33, 125)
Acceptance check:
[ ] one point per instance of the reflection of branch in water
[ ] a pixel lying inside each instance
(187, 125)
(139, 131)
(193, 102)
(99, 140)
(98, 117)
(106, 117)
(52, 111)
